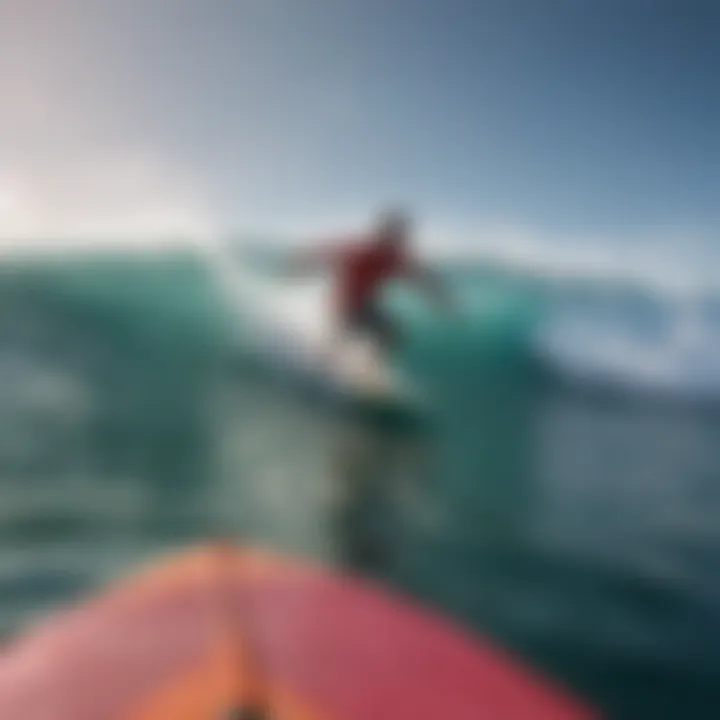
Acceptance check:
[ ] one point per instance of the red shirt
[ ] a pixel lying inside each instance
(363, 269)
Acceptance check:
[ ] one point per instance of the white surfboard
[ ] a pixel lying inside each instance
(358, 368)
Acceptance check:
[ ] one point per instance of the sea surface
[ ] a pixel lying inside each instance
(563, 500)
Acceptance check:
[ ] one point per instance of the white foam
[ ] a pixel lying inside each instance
(684, 359)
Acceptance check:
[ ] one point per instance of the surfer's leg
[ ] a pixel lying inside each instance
(386, 332)
(386, 337)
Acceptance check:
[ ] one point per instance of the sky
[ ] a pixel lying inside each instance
(541, 119)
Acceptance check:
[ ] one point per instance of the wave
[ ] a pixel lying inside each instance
(679, 356)
(585, 325)
(642, 318)
(289, 323)
(139, 339)
(590, 324)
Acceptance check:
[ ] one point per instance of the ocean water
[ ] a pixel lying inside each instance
(564, 502)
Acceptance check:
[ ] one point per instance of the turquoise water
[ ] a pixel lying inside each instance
(576, 527)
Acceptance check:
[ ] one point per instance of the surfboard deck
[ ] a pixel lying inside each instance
(226, 631)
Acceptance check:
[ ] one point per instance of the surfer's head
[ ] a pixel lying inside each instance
(393, 228)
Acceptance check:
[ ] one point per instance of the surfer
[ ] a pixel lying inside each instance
(361, 265)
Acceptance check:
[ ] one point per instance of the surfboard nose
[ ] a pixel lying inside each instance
(232, 632)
